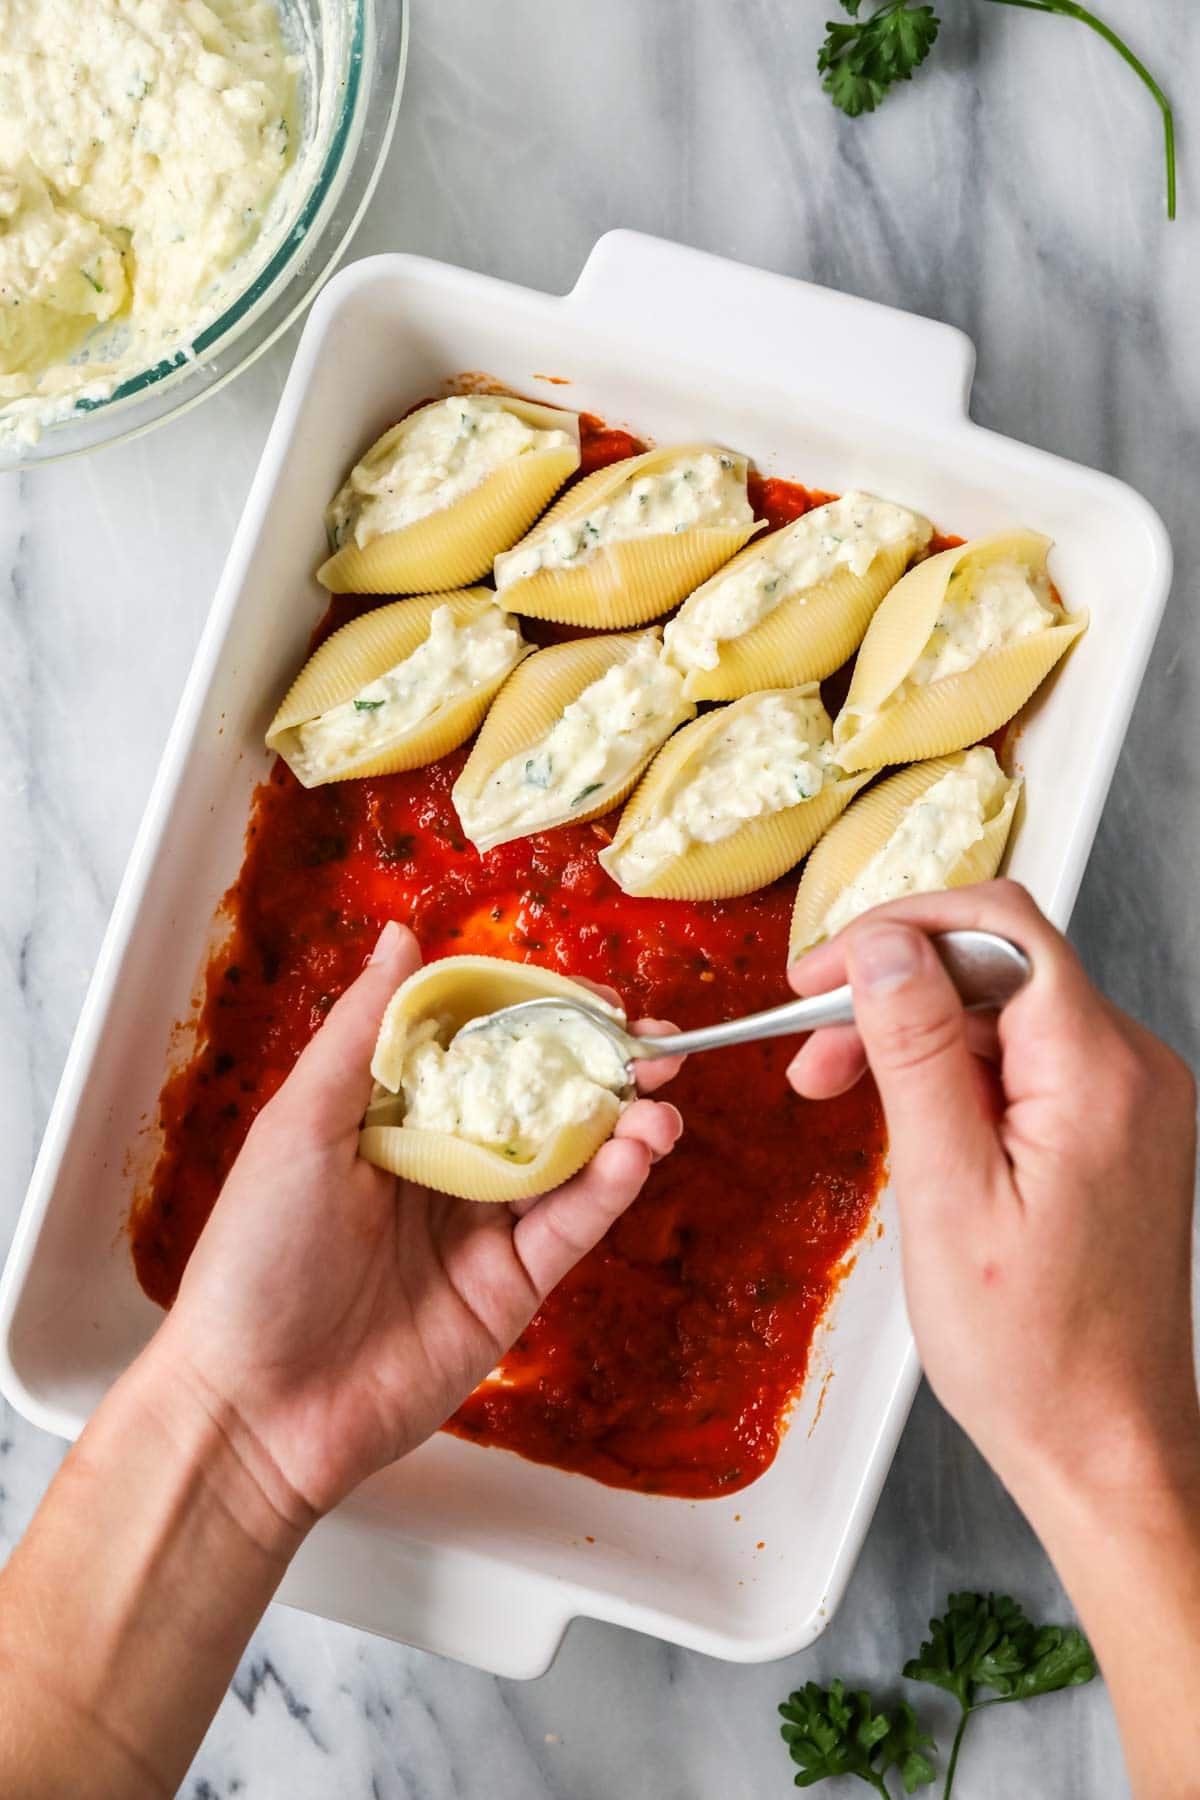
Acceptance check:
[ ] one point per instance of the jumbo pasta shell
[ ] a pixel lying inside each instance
(357, 655)
(880, 725)
(631, 580)
(805, 638)
(456, 545)
(752, 857)
(861, 833)
(454, 991)
(527, 708)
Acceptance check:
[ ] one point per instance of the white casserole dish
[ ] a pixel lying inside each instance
(476, 1553)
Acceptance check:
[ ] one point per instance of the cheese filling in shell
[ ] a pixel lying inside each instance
(845, 535)
(510, 1088)
(451, 662)
(599, 741)
(704, 489)
(933, 835)
(775, 752)
(427, 462)
(986, 607)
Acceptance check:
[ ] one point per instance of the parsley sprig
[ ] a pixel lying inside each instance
(989, 1643)
(831, 1732)
(861, 60)
(983, 1650)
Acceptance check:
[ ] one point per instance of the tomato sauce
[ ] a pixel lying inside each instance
(667, 1360)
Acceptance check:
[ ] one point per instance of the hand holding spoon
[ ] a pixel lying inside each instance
(987, 971)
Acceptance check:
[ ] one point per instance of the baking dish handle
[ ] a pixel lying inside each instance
(451, 1601)
(845, 351)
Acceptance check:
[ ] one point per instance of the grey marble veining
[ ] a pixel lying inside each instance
(1015, 190)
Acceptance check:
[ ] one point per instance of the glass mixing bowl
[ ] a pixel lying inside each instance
(353, 55)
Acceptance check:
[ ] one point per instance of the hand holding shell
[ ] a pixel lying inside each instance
(449, 994)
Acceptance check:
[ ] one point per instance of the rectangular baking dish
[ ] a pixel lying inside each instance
(470, 1552)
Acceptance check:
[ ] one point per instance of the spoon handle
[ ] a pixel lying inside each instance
(987, 971)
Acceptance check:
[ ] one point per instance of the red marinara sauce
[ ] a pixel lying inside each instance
(667, 1360)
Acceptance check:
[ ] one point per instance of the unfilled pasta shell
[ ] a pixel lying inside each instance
(754, 856)
(456, 545)
(456, 990)
(861, 833)
(933, 720)
(632, 580)
(357, 655)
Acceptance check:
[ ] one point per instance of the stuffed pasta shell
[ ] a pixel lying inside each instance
(936, 825)
(568, 736)
(733, 801)
(437, 496)
(794, 606)
(397, 688)
(955, 649)
(505, 1112)
(629, 541)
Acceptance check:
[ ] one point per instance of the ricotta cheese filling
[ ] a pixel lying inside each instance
(513, 1087)
(600, 740)
(140, 147)
(452, 661)
(934, 833)
(984, 609)
(844, 536)
(771, 755)
(429, 461)
(708, 489)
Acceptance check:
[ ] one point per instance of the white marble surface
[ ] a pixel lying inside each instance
(1016, 190)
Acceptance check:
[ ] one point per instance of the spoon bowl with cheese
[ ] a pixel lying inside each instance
(176, 182)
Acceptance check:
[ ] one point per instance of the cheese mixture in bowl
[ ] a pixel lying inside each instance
(139, 153)
(173, 174)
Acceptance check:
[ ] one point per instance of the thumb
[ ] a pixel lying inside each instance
(331, 1083)
(914, 1032)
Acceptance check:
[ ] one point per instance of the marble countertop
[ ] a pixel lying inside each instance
(1015, 190)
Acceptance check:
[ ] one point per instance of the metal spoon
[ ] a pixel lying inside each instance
(987, 971)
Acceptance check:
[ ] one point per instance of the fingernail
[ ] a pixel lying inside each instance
(655, 1028)
(884, 957)
(678, 1118)
(386, 943)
